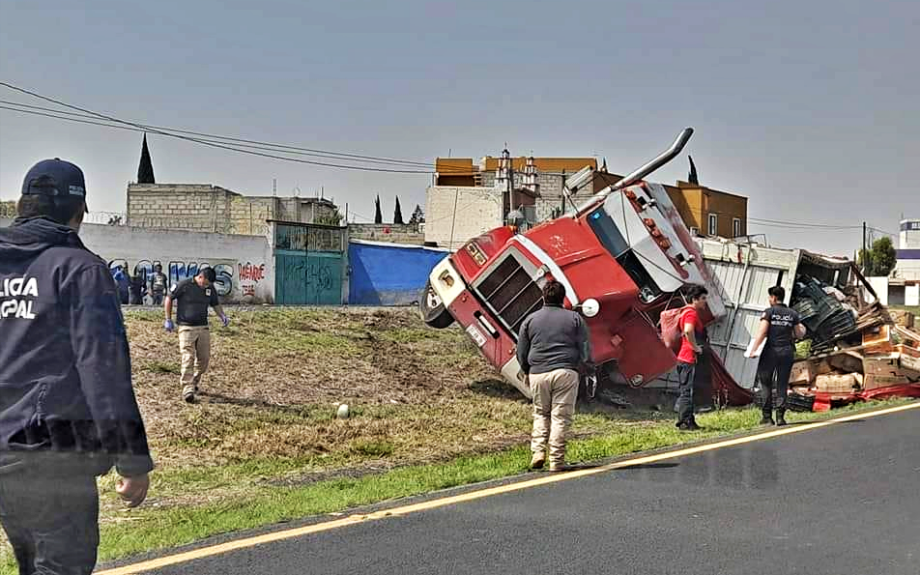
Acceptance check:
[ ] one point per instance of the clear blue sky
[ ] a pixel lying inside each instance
(807, 107)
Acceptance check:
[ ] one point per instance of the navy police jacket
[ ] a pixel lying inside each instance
(65, 369)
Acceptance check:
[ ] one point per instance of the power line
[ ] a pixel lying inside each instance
(211, 143)
(51, 113)
(279, 147)
(93, 117)
(781, 223)
(132, 129)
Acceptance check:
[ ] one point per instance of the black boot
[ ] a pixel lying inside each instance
(781, 417)
(767, 419)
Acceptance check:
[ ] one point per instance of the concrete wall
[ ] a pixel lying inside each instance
(392, 233)
(908, 265)
(912, 295)
(389, 274)
(190, 207)
(880, 285)
(207, 208)
(249, 216)
(550, 199)
(244, 264)
(893, 292)
(462, 213)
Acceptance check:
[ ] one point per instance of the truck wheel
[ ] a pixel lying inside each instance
(434, 314)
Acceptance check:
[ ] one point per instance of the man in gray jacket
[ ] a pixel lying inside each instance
(552, 345)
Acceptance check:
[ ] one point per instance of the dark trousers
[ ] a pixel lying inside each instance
(686, 373)
(157, 298)
(773, 370)
(51, 520)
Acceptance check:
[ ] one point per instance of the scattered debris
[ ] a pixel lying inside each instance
(871, 354)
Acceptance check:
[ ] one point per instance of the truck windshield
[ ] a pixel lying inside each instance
(607, 232)
(610, 237)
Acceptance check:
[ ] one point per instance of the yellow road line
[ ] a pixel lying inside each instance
(479, 494)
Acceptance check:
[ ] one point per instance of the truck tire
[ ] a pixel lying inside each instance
(432, 310)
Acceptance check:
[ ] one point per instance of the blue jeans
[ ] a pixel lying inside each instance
(51, 518)
(686, 373)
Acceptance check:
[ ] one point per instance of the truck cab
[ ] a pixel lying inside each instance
(623, 258)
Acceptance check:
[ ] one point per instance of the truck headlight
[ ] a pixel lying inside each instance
(590, 307)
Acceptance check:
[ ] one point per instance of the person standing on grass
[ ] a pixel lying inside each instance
(158, 285)
(67, 407)
(553, 345)
(193, 297)
(122, 284)
(691, 347)
(779, 327)
(138, 287)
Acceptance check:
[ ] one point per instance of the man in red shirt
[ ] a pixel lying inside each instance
(694, 335)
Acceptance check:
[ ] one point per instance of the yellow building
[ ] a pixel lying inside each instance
(709, 212)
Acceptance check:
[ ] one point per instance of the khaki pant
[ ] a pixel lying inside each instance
(195, 345)
(554, 396)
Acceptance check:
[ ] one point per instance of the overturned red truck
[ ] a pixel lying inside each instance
(624, 256)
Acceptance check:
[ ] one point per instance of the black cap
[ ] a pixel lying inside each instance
(55, 178)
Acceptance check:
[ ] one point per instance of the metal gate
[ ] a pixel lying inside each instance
(309, 264)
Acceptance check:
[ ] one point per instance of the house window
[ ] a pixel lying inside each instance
(736, 228)
(694, 231)
(713, 224)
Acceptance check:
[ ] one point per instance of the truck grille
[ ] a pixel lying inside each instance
(511, 293)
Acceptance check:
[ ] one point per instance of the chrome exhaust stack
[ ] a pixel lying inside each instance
(641, 173)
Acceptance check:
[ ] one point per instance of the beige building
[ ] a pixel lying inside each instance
(208, 208)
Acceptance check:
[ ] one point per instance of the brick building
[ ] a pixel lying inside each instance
(549, 176)
(208, 208)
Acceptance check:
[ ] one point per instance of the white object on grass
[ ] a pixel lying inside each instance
(342, 412)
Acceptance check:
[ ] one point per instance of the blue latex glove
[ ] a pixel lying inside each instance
(225, 320)
(169, 326)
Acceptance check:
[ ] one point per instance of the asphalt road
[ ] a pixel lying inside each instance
(844, 499)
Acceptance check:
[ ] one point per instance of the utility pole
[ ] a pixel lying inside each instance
(865, 253)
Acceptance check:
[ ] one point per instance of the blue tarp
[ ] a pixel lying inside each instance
(389, 274)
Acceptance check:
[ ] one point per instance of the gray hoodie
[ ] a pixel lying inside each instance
(553, 338)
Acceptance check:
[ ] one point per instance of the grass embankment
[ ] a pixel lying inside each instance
(263, 445)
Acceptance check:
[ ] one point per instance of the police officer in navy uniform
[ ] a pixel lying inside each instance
(779, 326)
(67, 407)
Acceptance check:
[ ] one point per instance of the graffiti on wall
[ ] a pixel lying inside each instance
(177, 271)
(250, 277)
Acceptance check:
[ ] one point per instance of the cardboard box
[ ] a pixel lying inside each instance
(802, 374)
(872, 382)
(846, 362)
(909, 361)
(836, 383)
(902, 318)
(884, 365)
(877, 340)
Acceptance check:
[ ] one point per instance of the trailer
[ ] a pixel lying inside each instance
(745, 270)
